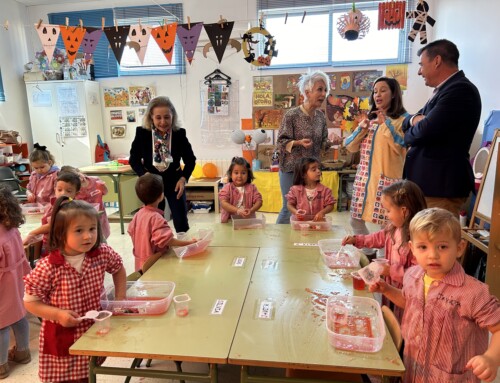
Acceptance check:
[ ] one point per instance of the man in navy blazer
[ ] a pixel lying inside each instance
(439, 136)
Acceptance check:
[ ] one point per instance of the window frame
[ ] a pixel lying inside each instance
(2, 89)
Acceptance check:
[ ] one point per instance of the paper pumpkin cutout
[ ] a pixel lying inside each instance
(90, 40)
(165, 38)
(117, 37)
(353, 25)
(219, 34)
(391, 15)
(72, 38)
(421, 19)
(188, 38)
(270, 47)
(139, 37)
(48, 34)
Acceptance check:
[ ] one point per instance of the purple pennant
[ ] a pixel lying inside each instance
(189, 38)
(117, 37)
(219, 34)
(90, 40)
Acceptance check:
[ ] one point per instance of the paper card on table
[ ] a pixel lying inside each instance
(265, 309)
(305, 244)
(218, 306)
(270, 264)
(239, 262)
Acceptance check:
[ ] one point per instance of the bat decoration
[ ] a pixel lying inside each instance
(219, 34)
(421, 19)
(117, 37)
(232, 42)
(188, 35)
(269, 50)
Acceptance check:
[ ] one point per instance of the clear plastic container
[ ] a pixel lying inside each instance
(204, 238)
(371, 273)
(32, 208)
(143, 298)
(256, 222)
(354, 323)
(306, 223)
(337, 256)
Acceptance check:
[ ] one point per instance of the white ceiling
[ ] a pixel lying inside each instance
(47, 2)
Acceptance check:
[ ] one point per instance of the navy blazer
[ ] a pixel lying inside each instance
(438, 158)
(141, 156)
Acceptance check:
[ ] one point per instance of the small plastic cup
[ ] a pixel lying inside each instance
(304, 228)
(181, 235)
(301, 215)
(103, 322)
(357, 281)
(382, 261)
(181, 303)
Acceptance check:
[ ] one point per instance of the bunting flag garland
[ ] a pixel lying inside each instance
(391, 15)
(90, 40)
(139, 37)
(165, 38)
(219, 34)
(188, 35)
(117, 37)
(48, 34)
(72, 39)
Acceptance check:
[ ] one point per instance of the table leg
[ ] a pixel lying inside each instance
(120, 204)
(92, 365)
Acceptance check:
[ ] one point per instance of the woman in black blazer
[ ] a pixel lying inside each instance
(170, 146)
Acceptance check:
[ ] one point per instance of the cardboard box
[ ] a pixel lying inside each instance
(264, 153)
(199, 195)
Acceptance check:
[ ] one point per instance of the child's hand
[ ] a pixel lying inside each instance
(319, 217)
(243, 212)
(386, 271)
(31, 198)
(68, 318)
(349, 240)
(193, 240)
(378, 287)
(483, 367)
(29, 239)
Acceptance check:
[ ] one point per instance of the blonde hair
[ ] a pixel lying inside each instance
(436, 220)
(147, 122)
(308, 80)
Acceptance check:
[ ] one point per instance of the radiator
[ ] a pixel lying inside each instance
(222, 165)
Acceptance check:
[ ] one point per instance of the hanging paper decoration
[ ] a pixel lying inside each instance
(139, 37)
(188, 36)
(165, 38)
(353, 25)
(90, 40)
(72, 38)
(391, 15)
(48, 34)
(421, 19)
(117, 37)
(269, 50)
(219, 34)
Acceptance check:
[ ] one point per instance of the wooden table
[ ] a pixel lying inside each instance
(119, 174)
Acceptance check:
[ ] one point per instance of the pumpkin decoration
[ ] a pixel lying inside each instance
(353, 25)
(72, 39)
(165, 38)
(391, 15)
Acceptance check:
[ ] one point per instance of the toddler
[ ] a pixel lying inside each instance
(66, 284)
(40, 188)
(239, 196)
(13, 266)
(149, 229)
(308, 196)
(447, 314)
(401, 201)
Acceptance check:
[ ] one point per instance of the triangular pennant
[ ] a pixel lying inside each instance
(391, 15)
(48, 34)
(72, 39)
(90, 40)
(188, 38)
(219, 34)
(117, 37)
(165, 38)
(139, 37)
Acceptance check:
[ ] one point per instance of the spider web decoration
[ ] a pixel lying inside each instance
(353, 25)
(216, 129)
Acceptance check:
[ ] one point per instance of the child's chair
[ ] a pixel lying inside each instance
(395, 330)
(33, 252)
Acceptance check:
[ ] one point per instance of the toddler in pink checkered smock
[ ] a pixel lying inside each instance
(66, 284)
(308, 196)
(447, 313)
(40, 188)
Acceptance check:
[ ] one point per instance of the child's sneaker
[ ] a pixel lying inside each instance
(22, 357)
(4, 370)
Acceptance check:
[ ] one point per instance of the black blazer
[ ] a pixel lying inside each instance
(141, 156)
(438, 158)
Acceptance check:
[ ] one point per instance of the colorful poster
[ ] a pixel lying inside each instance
(263, 91)
(115, 97)
(116, 114)
(218, 99)
(267, 118)
(131, 116)
(141, 95)
(398, 72)
(363, 81)
(284, 101)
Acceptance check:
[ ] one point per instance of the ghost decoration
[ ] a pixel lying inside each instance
(391, 15)
(165, 38)
(353, 25)
(421, 19)
(139, 37)
(219, 34)
(188, 35)
(90, 40)
(117, 37)
(48, 34)
(72, 38)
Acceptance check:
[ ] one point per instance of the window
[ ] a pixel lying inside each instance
(2, 93)
(315, 41)
(105, 64)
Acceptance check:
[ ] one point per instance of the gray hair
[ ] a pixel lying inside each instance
(147, 121)
(308, 80)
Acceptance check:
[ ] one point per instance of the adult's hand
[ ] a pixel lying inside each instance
(306, 142)
(180, 186)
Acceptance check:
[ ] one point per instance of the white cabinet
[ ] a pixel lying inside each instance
(66, 117)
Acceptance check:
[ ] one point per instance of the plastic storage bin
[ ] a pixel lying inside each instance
(337, 256)
(143, 298)
(308, 224)
(354, 323)
(204, 238)
(33, 208)
(240, 223)
(200, 207)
